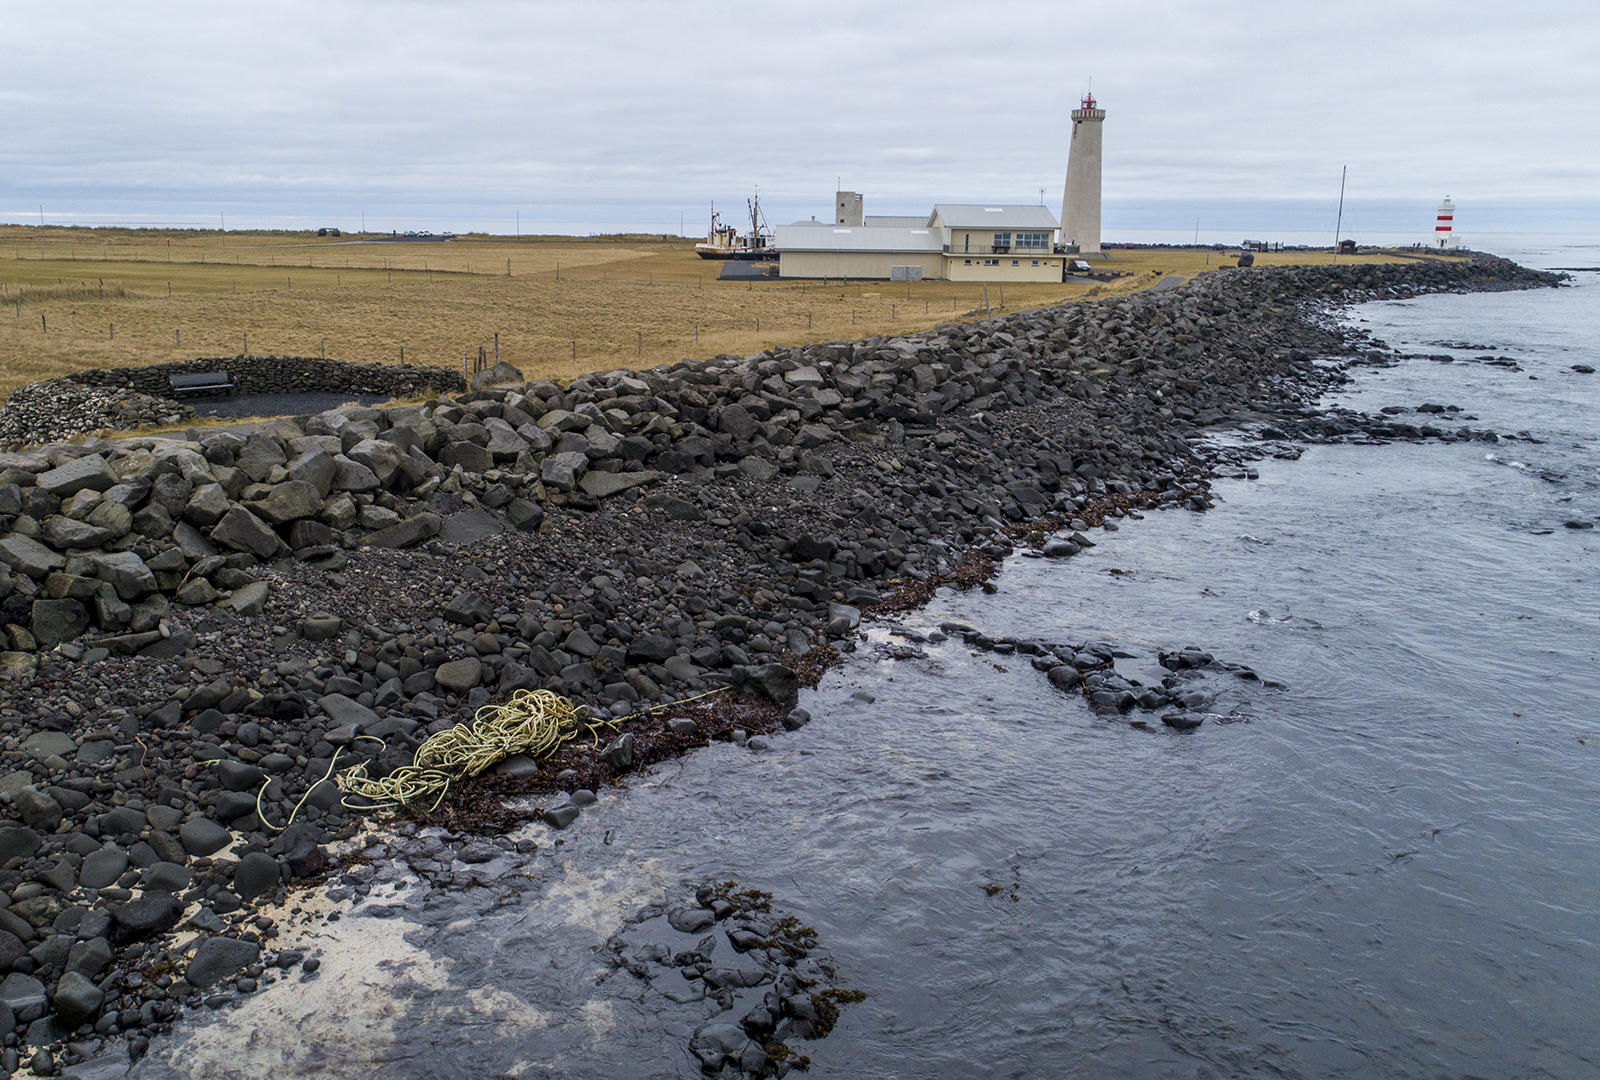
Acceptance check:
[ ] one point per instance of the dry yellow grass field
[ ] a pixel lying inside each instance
(74, 298)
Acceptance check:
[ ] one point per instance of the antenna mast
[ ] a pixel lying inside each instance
(1338, 222)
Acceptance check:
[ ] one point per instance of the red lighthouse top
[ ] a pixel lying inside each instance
(1088, 101)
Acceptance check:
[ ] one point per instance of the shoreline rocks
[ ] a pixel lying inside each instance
(198, 633)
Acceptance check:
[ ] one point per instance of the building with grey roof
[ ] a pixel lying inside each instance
(956, 242)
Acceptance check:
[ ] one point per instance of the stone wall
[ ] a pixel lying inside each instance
(285, 375)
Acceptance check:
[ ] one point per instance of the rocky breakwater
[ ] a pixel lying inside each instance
(198, 632)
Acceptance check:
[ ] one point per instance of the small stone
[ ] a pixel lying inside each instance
(559, 817)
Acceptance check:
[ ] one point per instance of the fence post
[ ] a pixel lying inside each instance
(497, 336)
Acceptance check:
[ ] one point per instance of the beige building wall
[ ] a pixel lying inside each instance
(1014, 267)
(865, 265)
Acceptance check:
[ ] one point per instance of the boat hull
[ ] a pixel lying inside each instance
(706, 251)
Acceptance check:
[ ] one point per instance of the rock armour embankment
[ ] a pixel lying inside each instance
(192, 629)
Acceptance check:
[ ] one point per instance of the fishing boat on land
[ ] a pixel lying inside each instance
(726, 242)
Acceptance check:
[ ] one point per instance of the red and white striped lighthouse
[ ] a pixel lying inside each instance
(1444, 225)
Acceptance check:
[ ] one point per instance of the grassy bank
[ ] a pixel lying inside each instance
(73, 298)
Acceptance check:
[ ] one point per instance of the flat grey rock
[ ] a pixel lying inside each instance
(470, 526)
(603, 484)
(341, 710)
(102, 868)
(202, 836)
(19, 991)
(90, 473)
(43, 744)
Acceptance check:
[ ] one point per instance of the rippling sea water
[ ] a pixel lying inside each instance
(1388, 869)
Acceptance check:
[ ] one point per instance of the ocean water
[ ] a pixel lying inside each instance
(1389, 867)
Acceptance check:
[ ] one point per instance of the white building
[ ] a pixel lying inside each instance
(955, 242)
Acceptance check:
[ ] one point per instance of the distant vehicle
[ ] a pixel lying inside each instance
(1078, 266)
(327, 232)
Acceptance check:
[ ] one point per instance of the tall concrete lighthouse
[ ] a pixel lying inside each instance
(1080, 203)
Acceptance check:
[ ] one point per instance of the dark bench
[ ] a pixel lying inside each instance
(210, 382)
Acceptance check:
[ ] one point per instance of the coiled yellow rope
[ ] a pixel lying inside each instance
(533, 722)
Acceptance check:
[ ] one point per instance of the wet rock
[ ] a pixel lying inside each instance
(559, 817)
(220, 958)
(1065, 677)
(775, 681)
(690, 920)
(717, 1043)
(619, 753)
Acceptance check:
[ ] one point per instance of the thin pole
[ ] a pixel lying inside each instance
(1339, 221)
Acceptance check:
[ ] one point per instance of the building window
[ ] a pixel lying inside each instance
(1002, 241)
(1036, 262)
(967, 262)
(968, 242)
(991, 262)
(1038, 240)
(1018, 262)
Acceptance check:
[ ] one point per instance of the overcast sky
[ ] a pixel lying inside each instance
(462, 115)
